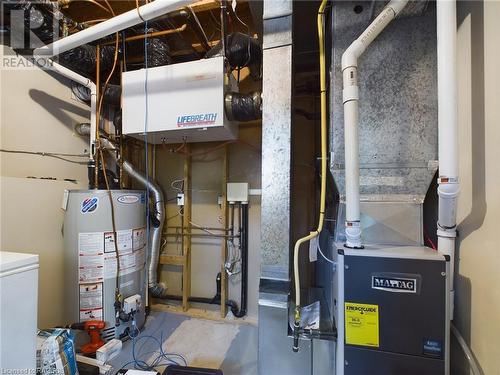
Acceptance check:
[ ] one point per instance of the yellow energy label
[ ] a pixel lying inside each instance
(361, 324)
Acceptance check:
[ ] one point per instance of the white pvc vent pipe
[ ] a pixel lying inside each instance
(350, 96)
(449, 187)
(68, 73)
(123, 21)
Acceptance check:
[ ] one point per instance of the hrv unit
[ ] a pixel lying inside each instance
(184, 102)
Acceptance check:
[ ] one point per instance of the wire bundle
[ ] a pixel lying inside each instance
(161, 358)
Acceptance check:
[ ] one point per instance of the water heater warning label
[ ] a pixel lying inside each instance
(361, 324)
(91, 302)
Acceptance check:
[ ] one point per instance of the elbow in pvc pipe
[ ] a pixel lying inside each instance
(397, 6)
(351, 54)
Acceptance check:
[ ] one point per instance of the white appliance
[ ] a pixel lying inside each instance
(185, 102)
(18, 311)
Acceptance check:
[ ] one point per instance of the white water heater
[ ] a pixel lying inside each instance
(91, 263)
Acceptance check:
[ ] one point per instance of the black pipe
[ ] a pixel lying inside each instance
(244, 261)
(91, 173)
(215, 300)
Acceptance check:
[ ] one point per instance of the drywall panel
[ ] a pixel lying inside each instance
(31, 222)
(38, 114)
(477, 303)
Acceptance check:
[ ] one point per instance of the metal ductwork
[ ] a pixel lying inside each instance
(156, 289)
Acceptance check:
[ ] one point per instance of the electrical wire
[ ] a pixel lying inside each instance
(429, 240)
(215, 148)
(60, 156)
(110, 7)
(313, 234)
(324, 257)
(42, 153)
(146, 109)
(471, 359)
(162, 358)
(113, 222)
(204, 229)
(107, 10)
(174, 182)
(193, 14)
(115, 59)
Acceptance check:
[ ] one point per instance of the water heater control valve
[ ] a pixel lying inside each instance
(132, 304)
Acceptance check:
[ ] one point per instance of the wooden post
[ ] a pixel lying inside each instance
(186, 248)
(224, 209)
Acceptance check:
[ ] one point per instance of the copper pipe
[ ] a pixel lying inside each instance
(200, 235)
(98, 114)
(66, 3)
(193, 227)
(150, 35)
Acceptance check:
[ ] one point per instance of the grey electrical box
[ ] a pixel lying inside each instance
(392, 311)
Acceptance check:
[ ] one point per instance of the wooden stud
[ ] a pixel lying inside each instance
(175, 260)
(186, 247)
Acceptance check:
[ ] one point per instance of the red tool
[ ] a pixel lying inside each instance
(93, 328)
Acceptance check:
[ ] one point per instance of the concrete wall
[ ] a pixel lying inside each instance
(477, 312)
(38, 114)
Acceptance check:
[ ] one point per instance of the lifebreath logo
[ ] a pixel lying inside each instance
(23, 24)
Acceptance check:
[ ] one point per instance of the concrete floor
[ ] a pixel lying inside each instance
(203, 343)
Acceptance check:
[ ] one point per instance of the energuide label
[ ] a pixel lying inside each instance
(361, 324)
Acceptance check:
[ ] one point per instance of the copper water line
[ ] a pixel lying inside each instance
(151, 34)
(98, 114)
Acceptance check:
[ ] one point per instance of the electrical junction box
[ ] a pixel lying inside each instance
(392, 311)
(237, 192)
(185, 102)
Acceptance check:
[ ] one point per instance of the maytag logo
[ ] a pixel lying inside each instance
(394, 284)
(196, 120)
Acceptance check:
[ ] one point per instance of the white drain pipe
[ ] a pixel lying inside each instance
(118, 23)
(68, 73)
(447, 132)
(125, 20)
(350, 99)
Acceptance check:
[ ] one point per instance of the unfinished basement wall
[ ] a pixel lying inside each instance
(38, 114)
(207, 158)
(477, 302)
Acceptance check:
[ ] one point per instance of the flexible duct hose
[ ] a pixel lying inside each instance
(156, 289)
(311, 235)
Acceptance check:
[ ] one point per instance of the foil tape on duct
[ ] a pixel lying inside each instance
(243, 107)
